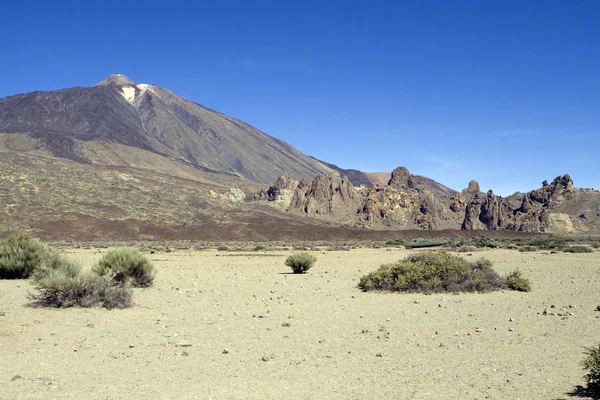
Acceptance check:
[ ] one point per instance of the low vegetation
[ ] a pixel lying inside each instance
(515, 281)
(21, 257)
(61, 283)
(57, 265)
(592, 364)
(579, 249)
(528, 248)
(437, 272)
(300, 262)
(126, 265)
(58, 289)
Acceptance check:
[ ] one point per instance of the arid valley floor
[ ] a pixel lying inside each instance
(239, 325)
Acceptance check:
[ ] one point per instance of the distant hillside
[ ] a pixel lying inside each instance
(124, 160)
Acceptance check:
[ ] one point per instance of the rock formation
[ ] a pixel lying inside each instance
(408, 202)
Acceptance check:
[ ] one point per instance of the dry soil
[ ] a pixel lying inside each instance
(229, 325)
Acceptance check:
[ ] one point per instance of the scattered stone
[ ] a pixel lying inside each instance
(378, 355)
(90, 325)
(225, 351)
(16, 378)
(3, 314)
(131, 346)
(598, 308)
(265, 358)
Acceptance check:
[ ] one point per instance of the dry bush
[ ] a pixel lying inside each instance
(88, 290)
(579, 249)
(466, 248)
(434, 272)
(57, 265)
(515, 281)
(124, 264)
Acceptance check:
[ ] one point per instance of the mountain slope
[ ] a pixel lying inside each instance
(151, 118)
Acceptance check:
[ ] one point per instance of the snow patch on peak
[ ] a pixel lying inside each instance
(129, 93)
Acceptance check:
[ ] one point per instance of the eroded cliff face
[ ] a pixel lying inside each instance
(535, 211)
(408, 202)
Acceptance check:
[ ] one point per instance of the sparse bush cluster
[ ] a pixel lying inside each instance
(300, 262)
(437, 272)
(541, 243)
(62, 283)
(579, 249)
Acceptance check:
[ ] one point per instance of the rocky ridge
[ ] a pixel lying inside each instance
(407, 202)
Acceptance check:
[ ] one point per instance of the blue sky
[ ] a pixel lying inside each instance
(504, 92)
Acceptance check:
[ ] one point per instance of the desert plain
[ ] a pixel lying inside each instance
(239, 325)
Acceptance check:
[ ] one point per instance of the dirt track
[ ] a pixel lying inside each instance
(215, 325)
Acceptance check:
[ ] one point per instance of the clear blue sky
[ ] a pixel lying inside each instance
(504, 92)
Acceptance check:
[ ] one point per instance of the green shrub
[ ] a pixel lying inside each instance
(592, 364)
(485, 242)
(259, 247)
(300, 262)
(579, 249)
(124, 264)
(434, 272)
(60, 290)
(425, 242)
(595, 245)
(21, 256)
(548, 243)
(515, 281)
(222, 247)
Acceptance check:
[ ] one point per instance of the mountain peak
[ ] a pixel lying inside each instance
(116, 80)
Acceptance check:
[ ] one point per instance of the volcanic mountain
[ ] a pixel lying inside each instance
(121, 160)
(92, 124)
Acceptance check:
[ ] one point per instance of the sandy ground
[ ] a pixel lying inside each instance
(214, 327)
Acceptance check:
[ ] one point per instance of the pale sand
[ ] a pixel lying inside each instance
(341, 343)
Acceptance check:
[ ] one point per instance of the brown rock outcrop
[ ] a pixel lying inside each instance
(536, 210)
(410, 202)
